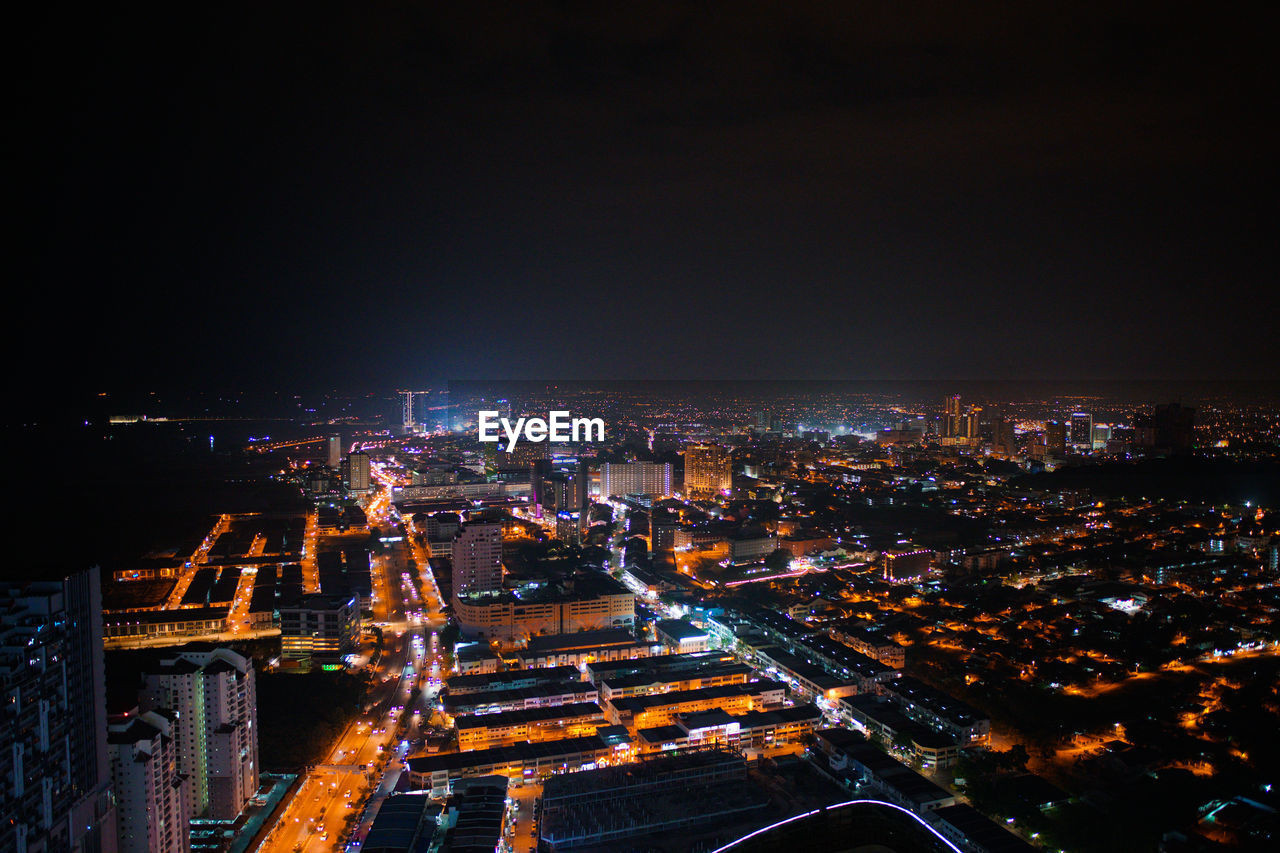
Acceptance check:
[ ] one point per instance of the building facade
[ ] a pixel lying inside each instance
(214, 695)
(53, 753)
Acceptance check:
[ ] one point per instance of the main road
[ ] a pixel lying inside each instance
(332, 797)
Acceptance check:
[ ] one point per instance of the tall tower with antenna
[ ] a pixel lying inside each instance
(406, 410)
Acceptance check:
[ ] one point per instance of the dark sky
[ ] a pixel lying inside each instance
(286, 195)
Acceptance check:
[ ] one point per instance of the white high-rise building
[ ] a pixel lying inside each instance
(215, 697)
(151, 815)
(635, 478)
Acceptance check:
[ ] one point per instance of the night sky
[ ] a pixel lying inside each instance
(376, 194)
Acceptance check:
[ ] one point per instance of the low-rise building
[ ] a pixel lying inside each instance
(319, 630)
(483, 731)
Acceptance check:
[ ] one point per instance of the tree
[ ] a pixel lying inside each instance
(779, 560)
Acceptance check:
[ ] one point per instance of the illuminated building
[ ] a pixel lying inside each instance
(334, 444)
(477, 554)
(681, 637)
(595, 603)
(534, 761)
(635, 478)
(1082, 430)
(585, 647)
(529, 725)
(319, 630)
(358, 478)
(708, 470)
(1055, 437)
(660, 709)
(952, 419)
(54, 771)
(150, 812)
(214, 696)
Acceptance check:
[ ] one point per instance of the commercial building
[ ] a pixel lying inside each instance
(484, 731)
(657, 666)
(54, 772)
(635, 478)
(928, 705)
(594, 602)
(516, 679)
(585, 647)
(647, 683)
(548, 695)
(213, 693)
(681, 637)
(879, 717)
(871, 643)
(660, 709)
(708, 470)
(152, 624)
(319, 630)
(151, 816)
(437, 773)
(752, 730)
(809, 679)
(334, 446)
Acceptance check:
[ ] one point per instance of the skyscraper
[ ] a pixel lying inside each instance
(335, 451)
(53, 752)
(477, 555)
(214, 694)
(1055, 437)
(708, 470)
(951, 425)
(358, 478)
(1082, 430)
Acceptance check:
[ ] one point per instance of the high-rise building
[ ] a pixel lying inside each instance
(539, 471)
(708, 470)
(635, 478)
(1055, 437)
(952, 424)
(55, 779)
(151, 813)
(335, 451)
(1082, 430)
(213, 692)
(358, 476)
(477, 554)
